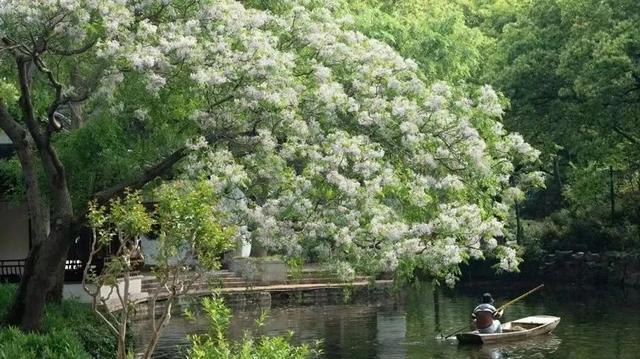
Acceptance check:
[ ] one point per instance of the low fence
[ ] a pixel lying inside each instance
(11, 270)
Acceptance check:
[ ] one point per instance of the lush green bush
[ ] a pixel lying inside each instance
(70, 330)
(216, 345)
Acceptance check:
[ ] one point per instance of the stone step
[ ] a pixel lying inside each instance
(313, 280)
(218, 274)
(322, 280)
(311, 275)
(200, 287)
(317, 274)
(230, 281)
(153, 281)
(291, 277)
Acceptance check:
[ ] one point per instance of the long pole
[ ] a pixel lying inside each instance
(501, 308)
(457, 331)
(520, 297)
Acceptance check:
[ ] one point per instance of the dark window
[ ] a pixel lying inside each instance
(6, 150)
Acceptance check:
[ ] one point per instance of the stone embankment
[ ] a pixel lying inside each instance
(618, 268)
(310, 287)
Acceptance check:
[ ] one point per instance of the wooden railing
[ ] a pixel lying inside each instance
(11, 270)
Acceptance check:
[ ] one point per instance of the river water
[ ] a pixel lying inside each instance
(603, 324)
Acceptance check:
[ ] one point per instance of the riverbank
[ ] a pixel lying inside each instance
(614, 267)
(69, 330)
(567, 267)
(267, 296)
(311, 287)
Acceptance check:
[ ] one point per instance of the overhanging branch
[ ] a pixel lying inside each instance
(58, 100)
(158, 170)
(629, 137)
(70, 52)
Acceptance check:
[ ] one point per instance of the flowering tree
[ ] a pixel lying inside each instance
(320, 138)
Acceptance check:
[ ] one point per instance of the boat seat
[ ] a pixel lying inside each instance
(517, 328)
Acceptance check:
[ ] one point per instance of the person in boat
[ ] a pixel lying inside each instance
(485, 316)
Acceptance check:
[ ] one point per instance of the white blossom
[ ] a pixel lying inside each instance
(319, 137)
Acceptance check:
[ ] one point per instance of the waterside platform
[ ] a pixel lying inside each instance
(311, 288)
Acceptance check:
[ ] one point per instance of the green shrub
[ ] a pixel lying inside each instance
(69, 330)
(6, 295)
(61, 343)
(216, 345)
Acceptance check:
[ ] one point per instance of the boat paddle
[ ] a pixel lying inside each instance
(497, 310)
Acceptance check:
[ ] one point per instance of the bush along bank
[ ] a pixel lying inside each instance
(70, 330)
(612, 267)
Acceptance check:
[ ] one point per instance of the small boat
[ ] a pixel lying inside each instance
(516, 330)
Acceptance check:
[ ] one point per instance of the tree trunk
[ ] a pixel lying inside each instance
(25, 149)
(47, 258)
(43, 263)
(55, 292)
(35, 274)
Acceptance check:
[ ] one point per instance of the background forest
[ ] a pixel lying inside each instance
(570, 71)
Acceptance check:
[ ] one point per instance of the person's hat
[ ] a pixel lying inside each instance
(487, 298)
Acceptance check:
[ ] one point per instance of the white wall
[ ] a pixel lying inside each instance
(4, 139)
(150, 252)
(14, 231)
(75, 290)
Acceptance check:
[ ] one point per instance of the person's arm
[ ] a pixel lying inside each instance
(498, 314)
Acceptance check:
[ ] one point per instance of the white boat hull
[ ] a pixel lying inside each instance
(515, 330)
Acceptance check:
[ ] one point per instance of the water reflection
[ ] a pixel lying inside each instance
(537, 347)
(601, 324)
(352, 331)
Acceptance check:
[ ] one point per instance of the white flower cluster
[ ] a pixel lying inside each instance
(508, 259)
(344, 271)
(327, 141)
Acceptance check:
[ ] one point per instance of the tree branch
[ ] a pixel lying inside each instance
(159, 169)
(61, 200)
(49, 157)
(59, 98)
(70, 52)
(25, 100)
(14, 47)
(148, 175)
(629, 137)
